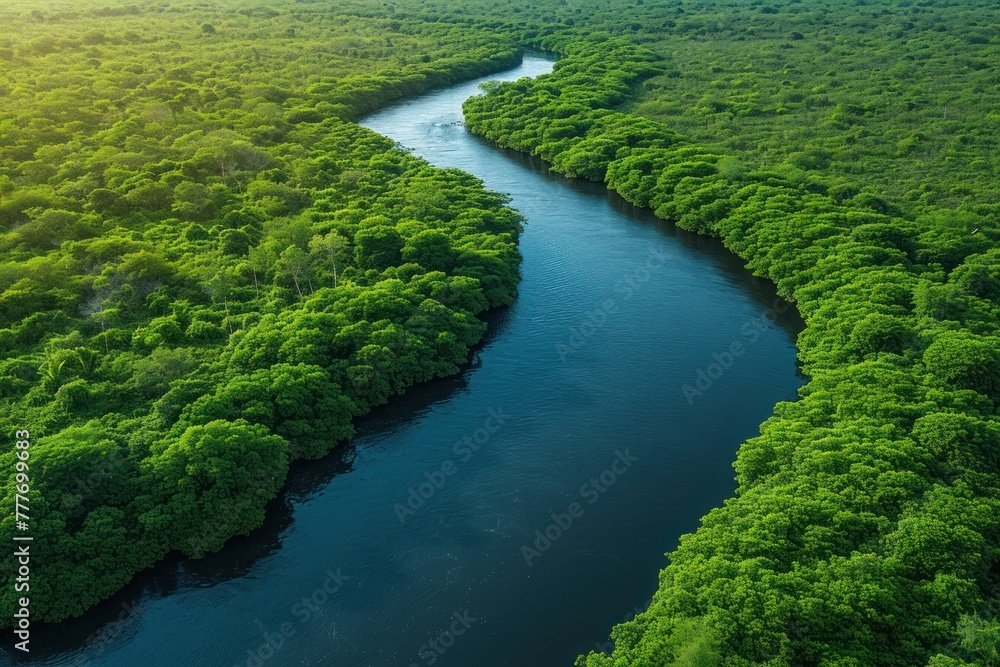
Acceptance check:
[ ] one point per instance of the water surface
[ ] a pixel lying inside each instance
(573, 404)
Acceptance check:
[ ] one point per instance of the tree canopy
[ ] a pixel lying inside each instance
(208, 271)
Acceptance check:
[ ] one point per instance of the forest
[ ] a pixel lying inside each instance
(864, 530)
(209, 271)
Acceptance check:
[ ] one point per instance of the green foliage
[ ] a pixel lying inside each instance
(979, 640)
(865, 526)
(211, 483)
(208, 271)
(966, 361)
(298, 403)
(377, 247)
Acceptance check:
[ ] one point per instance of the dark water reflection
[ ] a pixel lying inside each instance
(575, 392)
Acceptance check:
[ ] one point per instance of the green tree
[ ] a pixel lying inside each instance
(377, 247)
(294, 263)
(210, 483)
(329, 247)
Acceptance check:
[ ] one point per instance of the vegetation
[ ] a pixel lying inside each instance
(207, 272)
(865, 527)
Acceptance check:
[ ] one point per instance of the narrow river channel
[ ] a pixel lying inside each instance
(417, 544)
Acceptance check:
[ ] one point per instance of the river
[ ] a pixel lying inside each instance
(417, 544)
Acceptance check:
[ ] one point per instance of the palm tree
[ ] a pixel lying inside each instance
(52, 372)
(86, 359)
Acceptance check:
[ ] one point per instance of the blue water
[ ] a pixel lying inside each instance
(417, 544)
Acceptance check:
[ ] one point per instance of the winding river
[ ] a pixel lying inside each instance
(417, 545)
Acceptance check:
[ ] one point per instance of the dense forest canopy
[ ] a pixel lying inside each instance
(900, 94)
(208, 271)
(865, 528)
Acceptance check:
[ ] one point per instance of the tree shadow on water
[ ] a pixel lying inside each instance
(114, 621)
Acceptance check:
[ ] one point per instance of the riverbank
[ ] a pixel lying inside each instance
(848, 489)
(487, 487)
